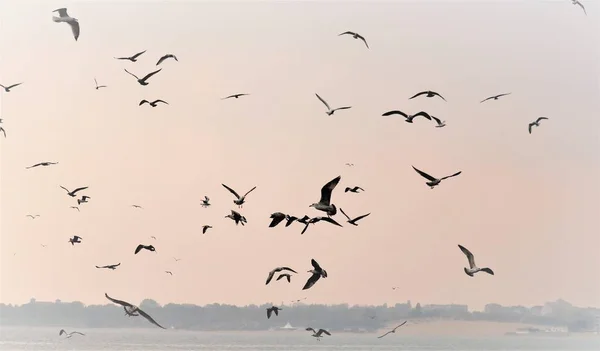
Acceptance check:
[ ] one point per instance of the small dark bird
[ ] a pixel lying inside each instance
(285, 275)
(146, 247)
(353, 221)
(153, 237)
(353, 190)
(278, 269)
(432, 180)
(240, 200)
(169, 272)
(234, 96)
(356, 36)
(495, 97)
(131, 58)
(536, 123)
(318, 334)
(439, 122)
(350, 164)
(153, 103)
(98, 86)
(392, 331)
(143, 80)
(43, 245)
(110, 266)
(160, 60)
(137, 206)
(62, 331)
(206, 202)
(33, 216)
(273, 309)
(277, 217)
(83, 199)
(317, 273)
(131, 310)
(472, 266)
(205, 228)
(237, 217)
(329, 110)
(409, 118)
(75, 240)
(45, 164)
(72, 193)
(316, 220)
(428, 93)
(177, 259)
(7, 88)
(76, 208)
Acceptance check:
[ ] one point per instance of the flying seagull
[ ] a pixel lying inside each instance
(33, 216)
(356, 36)
(205, 203)
(576, 2)
(318, 334)
(177, 259)
(84, 199)
(317, 273)
(329, 110)
(472, 266)
(536, 123)
(234, 96)
(72, 193)
(240, 200)
(64, 17)
(43, 245)
(76, 208)
(137, 206)
(273, 309)
(392, 331)
(495, 97)
(169, 272)
(145, 247)
(131, 58)
(440, 123)
(285, 275)
(62, 331)
(166, 57)
(205, 228)
(7, 88)
(153, 237)
(237, 217)
(98, 86)
(75, 240)
(131, 310)
(324, 203)
(354, 189)
(353, 221)
(277, 218)
(432, 180)
(110, 266)
(409, 118)
(428, 93)
(143, 80)
(350, 164)
(153, 103)
(308, 221)
(278, 269)
(42, 164)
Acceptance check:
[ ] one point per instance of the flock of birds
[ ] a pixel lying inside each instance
(324, 204)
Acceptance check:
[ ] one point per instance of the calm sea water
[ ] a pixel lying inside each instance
(32, 339)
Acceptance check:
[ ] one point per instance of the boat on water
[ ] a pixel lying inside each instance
(539, 332)
(286, 327)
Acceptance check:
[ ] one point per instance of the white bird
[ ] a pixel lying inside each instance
(131, 310)
(392, 331)
(356, 36)
(62, 331)
(318, 334)
(329, 110)
(433, 181)
(278, 269)
(64, 17)
(440, 123)
(576, 2)
(324, 203)
(240, 200)
(472, 266)
(536, 123)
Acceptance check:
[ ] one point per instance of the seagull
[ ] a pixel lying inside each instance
(277, 218)
(177, 259)
(153, 237)
(429, 94)
(318, 334)
(317, 273)
(62, 331)
(278, 269)
(395, 287)
(329, 110)
(110, 266)
(33, 216)
(353, 221)
(153, 103)
(98, 86)
(350, 164)
(76, 208)
(287, 276)
(273, 309)
(495, 97)
(166, 57)
(205, 203)
(234, 96)
(131, 58)
(440, 123)
(356, 36)
(64, 17)
(237, 217)
(143, 80)
(392, 331)
(42, 164)
(353, 190)
(83, 199)
(132, 310)
(146, 247)
(472, 266)
(43, 245)
(240, 200)
(75, 240)
(72, 193)
(169, 272)
(432, 180)
(324, 203)
(576, 2)
(536, 123)
(7, 88)
(137, 206)
(409, 118)
(314, 220)
(205, 228)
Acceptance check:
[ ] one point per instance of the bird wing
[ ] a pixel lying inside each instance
(136, 77)
(305, 227)
(231, 190)
(437, 120)
(14, 85)
(204, 229)
(138, 54)
(487, 270)
(364, 40)
(395, 112)
(360, 217)
(450, 176)
(580, 4)
(469, 255)
(67, 190)
(379, 337)
(315, 264)
(76, 332)
(3, 131)
(269, 312)
(284, 275)
(323, 101)
(351, 33)
(150, 319)
(330, 220)
(159, 100)
(321, 331)
(310, 329)
(249, 191)
(160, 60)
(540, 118)
(62, 12)
(434, 93)
(118, 302)
(531, 125)
(344, 213)
(288, 269)
(102, 267)
(486, 99)
(424, 175)
(400, 325)
(138, 248)
(79, 189)
(61, 332)
(75, 237)
(143, 102)
(418, 94)
(342, 108)
(422, 113)
(151, 74)
(311, 281)
(271, 273)
(74, 28)
(327, 189)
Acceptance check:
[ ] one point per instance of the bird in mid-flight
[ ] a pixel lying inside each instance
(409, 118)
(439, 122)
(495, 97)
(131, 310)
(432, 180)
(273, 309)
(329, 110)
(131, 58)
(137, 206)
(427, 93)
(308, 221)
(205, 228)
(72, 193)
(169, 272)
(7, 88)
(145, 247)
(354, 220)
(45, 164)
(277, 217)
(576, 2)
(317, 273)
(392, 331)
(536, 123)
(240, 200)
(75, 208)
(354, 189)
(153, 103)
(160, 60)
(324, 203)
(237, 217)
(75, 240)
(98, 86)
(278, 269)
(65, 18)
(205, 203)
(33, 216)
(355, 36)
(62, 331)
(234, 96)
(146, 77)
(472, 266)
(84, 199)
(318, 334)
(110, 266)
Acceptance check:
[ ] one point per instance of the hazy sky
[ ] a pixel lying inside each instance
(527, 206)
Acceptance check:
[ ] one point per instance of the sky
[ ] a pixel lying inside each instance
(527, 205)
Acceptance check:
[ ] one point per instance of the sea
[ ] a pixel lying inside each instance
(33, 339)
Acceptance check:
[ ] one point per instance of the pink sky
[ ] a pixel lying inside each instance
(527, 206)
